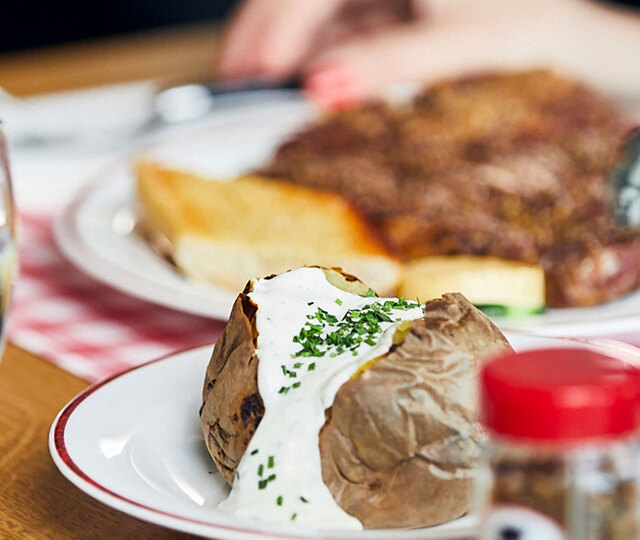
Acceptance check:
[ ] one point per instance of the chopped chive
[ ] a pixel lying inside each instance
(279, 500)
(271, 478)
(338, 301)
(324, 334)
(254, 452)
(260, 469)
(294, 516)
(270, 462)
(296, 385)
(262, 484)
(311, 366)
(304, 500)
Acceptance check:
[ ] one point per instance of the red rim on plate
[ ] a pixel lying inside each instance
(59, 449)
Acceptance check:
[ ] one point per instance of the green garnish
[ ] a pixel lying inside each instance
(294, 516)
(279, 500)
(270, 462)
(498, 310)
(304, 500)
(323, 333)
(357, 326)
(289, 372)
(254, 452)
(263, 482)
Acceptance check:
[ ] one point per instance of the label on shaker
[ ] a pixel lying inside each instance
(513, 522)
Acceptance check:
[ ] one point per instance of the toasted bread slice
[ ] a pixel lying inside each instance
(227, 232)
(497, 285)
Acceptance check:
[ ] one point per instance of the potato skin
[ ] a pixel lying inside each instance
(386, 446)
(401, 442)
(232, 407)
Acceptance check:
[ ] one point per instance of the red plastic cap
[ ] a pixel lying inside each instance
(563, 395)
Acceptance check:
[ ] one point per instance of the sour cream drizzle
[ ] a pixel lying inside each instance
(279, 477)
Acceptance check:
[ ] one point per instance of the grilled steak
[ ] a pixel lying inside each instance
(508, 165)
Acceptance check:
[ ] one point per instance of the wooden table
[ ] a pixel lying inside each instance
(174, 55)
(36, 501)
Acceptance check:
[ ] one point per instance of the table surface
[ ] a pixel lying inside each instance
(36, 501)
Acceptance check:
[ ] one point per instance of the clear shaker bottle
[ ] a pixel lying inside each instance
(563, 458)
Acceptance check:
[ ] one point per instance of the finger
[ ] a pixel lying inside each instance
(439, 47)
(359, 17)
(369, 65)
(269, 38)
(334, 85)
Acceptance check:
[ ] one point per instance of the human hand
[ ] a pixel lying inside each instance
(347, 50)
(276, 39)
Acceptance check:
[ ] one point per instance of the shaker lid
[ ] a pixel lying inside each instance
(563, 395)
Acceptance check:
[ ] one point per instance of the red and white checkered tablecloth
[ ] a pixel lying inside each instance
(83, 326)
(91, 329)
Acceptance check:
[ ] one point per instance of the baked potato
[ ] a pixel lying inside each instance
(397, 441)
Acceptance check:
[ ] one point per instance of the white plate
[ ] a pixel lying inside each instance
(134, 443)
(95, 230)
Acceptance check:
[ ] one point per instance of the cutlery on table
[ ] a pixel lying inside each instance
(29, 123)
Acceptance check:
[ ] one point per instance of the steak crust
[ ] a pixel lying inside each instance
(510, 165)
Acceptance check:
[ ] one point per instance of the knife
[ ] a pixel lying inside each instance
(625, 184)
(191, 101)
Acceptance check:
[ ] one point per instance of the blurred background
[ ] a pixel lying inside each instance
(38, 23)
(50, 46)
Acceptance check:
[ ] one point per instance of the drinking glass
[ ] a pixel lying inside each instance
(8, 245)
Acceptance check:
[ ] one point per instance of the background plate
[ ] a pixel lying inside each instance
(95, 230)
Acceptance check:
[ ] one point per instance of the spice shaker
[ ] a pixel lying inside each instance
(563, 457)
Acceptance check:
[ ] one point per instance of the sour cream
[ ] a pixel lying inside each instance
(279, 478)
